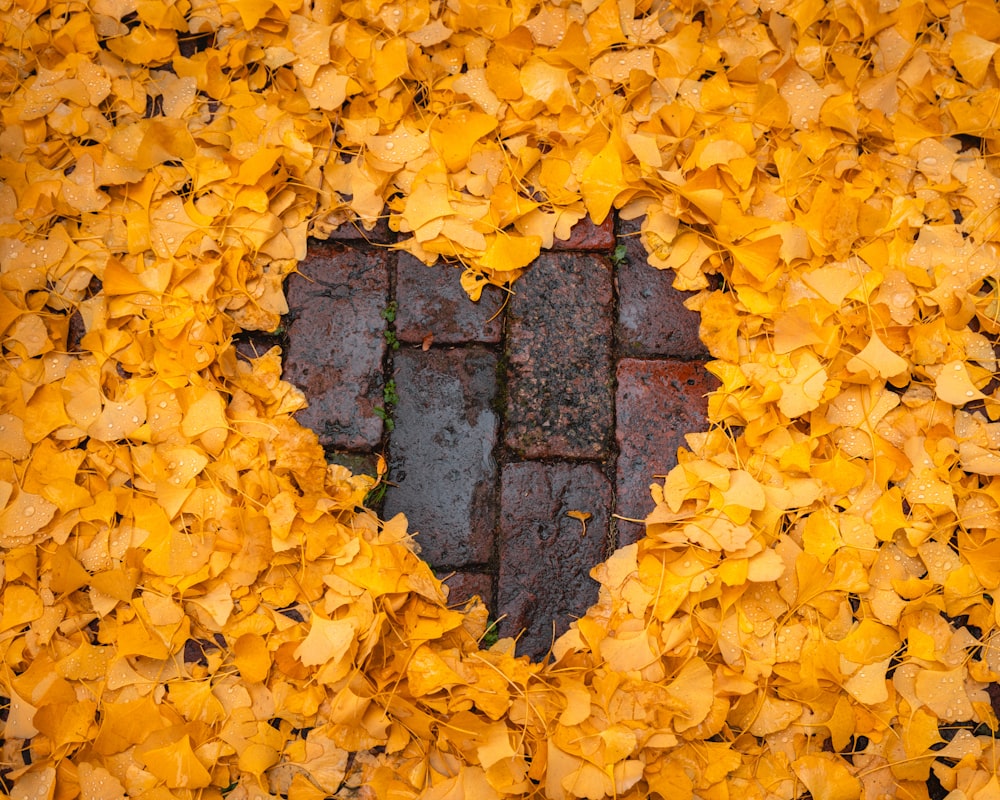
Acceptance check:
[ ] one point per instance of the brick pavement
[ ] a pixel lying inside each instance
(498, 418)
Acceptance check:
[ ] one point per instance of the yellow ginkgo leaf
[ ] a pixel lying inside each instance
(827, 777)
(946, 692)
(205, 418)
(21, 604)
(507, 252)
(869, 642)
(24, 516)
(821, 535)
(454, 136)
(389, 62)
(304, 789)
(972, 55)
(257, 758)
(65, 723)
(98, 783)
(759, 259)
(252, 657)
(327, 640)
(876, 360)
(802, 392)
(429, 203)
(13, 442)
(177, 765)
(693, 692)
(953, 384)
(868, 683)
(252, 12)
(603, 180)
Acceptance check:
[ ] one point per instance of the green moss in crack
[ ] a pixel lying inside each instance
(386, 417)
(389, 401)
(491, 635)
(620, 255)
(389, 395)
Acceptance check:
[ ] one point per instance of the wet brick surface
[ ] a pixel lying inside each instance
(585, 235)
(462, 586)
(336, 344)
(559, 377)
(657, 402)
(564, 349)
(652, 319)
(431, 302)
(441, 469)
(545, 559)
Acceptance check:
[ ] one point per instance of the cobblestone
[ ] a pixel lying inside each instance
(430, 301)
(652, 318)
(545, 557)
(336, 342)
(657, 402)
(463, 586)
(559, 375)
(585, 235)
(602, 375)
(441, 469)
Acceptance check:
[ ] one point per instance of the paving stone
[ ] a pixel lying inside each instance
(545, 559)
(431, 302)
(657, 403)
(559, 375)
(336, 342)
(441, 469)
(585, 235)
(652, 319)
(463, 586)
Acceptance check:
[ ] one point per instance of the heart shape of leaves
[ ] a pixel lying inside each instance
(194, 603)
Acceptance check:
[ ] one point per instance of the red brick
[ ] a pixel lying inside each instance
(336, 342)
(652, 319)
(585, 235)
(545, 560)
(657, 403)
(441, 469)
(432, 302)
(559, 375)
(463, 586)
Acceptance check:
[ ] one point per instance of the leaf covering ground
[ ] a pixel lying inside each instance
(195, 605)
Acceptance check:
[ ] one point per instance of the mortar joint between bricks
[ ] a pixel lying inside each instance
(389, 332)
(616, 259)
(501, 456)
(388, 315)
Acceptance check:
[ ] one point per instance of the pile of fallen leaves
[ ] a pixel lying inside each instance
(195, 605)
